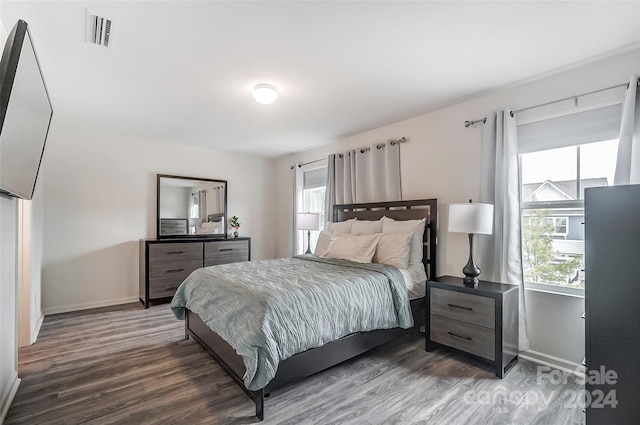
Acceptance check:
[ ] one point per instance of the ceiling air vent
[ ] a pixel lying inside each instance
(99, 30)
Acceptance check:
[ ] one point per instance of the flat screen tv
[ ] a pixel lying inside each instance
(25, 114)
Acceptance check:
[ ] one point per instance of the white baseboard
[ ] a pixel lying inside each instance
(36, 329)
(552, 361)
(87, 306)
(8, 394)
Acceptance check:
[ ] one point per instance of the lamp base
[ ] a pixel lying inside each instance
(471, 270)
(308, 251)
(470, 281)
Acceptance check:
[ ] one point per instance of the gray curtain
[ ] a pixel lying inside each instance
(194, 205)
(500, 186)
(220, 199)
(363, 175)
(330, 192)
(628, 162)
(203, 205)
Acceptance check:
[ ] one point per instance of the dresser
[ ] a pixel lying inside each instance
(612, 296)
(164, 264)
(482, 322)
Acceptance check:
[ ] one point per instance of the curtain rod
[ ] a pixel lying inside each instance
(306, 163)
(363, 150)
(571, 97)
(381, 145)
(484, 120)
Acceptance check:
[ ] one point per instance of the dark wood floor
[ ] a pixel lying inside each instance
(132, 366)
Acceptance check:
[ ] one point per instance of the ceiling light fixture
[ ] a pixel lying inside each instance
(265, 94)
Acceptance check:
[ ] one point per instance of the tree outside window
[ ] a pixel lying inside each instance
(552, 206)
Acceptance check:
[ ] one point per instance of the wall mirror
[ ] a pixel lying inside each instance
(191, 207)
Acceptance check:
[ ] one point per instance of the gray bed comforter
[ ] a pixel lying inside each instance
(270, 310)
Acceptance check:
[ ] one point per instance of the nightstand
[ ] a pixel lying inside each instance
(481, 322)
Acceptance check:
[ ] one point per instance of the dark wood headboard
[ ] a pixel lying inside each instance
(400, 210)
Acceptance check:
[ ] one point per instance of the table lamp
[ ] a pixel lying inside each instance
(472, 219)
(308, 222)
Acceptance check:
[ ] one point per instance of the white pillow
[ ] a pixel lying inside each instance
(366, 227)
(393, 250)
(358, 248)
(413, 227)
(324, 238)
(339, 226)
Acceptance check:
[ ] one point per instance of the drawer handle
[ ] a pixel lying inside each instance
(175, 252)
(460, 307)
(174, 270)
(468, 338)
(226, 249)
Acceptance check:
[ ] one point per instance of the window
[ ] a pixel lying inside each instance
(553, 182)
(560, 157)
(311, 199)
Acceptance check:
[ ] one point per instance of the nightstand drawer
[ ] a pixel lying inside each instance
(173, 269)
(463, 336)
(175, 251)
(468, 308)
(227, 251)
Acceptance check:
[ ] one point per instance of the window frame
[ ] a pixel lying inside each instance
(301, 235)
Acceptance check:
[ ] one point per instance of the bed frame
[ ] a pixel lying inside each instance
(317, 359)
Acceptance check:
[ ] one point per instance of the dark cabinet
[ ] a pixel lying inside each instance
(612, 301)
(482, 321)
(165, 263)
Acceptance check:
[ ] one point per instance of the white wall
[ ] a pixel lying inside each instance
(441, 161)
(8, 336)
(100, 199)
(175, 202)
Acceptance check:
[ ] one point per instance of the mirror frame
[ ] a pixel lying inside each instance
(210, 236)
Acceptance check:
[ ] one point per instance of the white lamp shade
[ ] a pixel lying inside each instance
(471, 218)
(308, 221)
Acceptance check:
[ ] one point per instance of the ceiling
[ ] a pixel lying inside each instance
(182, 71)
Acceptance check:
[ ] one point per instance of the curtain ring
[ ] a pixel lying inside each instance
(340, 156)
(362, 150)
(392, 142)
(380, 146)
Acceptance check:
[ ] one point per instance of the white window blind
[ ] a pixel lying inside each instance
(315, 178)
(594, 125)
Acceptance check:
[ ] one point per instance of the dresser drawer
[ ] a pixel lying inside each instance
(463, 336)
(226, 251)
(173, 269)
(468, 308)
(161, 288)
(173, 226)
(175, 251)
(235, 258)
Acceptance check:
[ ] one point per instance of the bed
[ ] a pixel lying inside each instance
(314, 360)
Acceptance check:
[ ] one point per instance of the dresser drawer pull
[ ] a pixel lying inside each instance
(226, 249)
(460, 307)
(175, 252)
(460, 336)
(174, 270)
